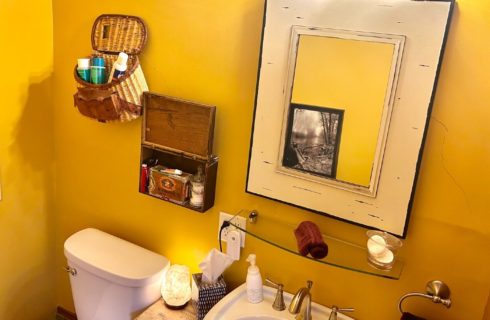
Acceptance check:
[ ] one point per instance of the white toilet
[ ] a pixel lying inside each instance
(111, 279)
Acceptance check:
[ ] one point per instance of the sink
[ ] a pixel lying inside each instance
(260, 317)
(235, 306)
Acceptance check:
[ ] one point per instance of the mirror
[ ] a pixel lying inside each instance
(342, 104)
(338, 105)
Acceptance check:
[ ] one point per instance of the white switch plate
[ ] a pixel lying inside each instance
(238, 221)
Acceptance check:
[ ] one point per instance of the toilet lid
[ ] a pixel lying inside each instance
(114, 259)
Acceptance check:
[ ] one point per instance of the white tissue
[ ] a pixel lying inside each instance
(214, 265)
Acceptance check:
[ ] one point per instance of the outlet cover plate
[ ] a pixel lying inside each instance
(236, 220)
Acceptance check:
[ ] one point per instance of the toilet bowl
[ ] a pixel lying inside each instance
(111, 279)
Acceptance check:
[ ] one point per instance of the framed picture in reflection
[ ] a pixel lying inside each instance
(312, 139)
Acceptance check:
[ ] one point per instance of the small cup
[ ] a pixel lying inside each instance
(83, 69)
(382, 249)
(84, 63)
(84, 74)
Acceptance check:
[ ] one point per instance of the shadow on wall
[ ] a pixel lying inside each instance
(31, 292)
(34, 133)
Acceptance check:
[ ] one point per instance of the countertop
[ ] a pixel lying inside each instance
(159, 311)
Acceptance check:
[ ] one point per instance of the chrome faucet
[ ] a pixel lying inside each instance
(301, 303)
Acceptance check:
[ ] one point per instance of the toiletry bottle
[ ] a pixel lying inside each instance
(97, 70)
(197, 189)
(119, 67)
(144, 178)
(83, 69)
(254, 282)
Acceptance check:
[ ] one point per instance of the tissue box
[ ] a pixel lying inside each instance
(207, 294)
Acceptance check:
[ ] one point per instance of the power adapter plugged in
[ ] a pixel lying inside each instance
(233, 244)
(227, 223)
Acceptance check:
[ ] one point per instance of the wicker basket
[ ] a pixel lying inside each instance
(119, 100)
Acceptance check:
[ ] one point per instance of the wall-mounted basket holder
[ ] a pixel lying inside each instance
(121, 99)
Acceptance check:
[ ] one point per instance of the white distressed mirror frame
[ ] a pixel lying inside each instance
(424, 24)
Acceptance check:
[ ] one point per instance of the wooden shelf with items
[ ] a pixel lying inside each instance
(176, 149)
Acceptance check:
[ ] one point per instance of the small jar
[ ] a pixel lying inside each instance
(382, 248)
(197, 189)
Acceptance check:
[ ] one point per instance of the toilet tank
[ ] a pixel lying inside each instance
(111, 278)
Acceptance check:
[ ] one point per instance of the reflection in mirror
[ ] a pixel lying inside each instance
(355, 74)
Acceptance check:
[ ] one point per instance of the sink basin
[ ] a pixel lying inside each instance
(235, 306)
(261, 317)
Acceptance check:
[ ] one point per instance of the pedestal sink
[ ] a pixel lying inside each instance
(235, 306)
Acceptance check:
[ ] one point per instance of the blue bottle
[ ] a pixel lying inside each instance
(97, 70)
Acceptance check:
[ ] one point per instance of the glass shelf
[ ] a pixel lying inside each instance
(341, 253)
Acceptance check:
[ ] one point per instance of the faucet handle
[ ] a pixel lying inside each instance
(345, 309)
(278, 304)
(273, 284)
(309, 284)
(335, 309)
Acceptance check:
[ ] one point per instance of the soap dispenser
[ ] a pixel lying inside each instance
(254, 281)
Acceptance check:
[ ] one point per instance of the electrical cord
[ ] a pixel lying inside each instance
(224, 225)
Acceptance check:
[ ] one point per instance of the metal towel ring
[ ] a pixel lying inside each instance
(437, 291)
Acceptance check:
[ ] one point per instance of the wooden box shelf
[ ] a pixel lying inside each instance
(178, 134)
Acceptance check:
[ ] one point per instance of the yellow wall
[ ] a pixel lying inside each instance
(352, 76)
(207, 51)
(26, 161)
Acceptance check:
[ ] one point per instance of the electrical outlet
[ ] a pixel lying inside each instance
(237, 221)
